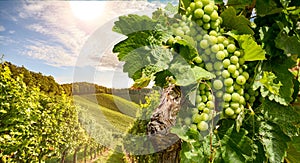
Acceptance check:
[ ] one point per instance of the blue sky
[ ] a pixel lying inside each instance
(70, 41)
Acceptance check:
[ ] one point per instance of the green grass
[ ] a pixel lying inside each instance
(104, 116)
(114, 103)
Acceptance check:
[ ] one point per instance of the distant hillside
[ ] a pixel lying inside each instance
(114, 103)
(48, 85)
(104, 116)
(85, 88)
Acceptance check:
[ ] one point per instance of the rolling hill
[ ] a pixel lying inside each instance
(113, 103)
(108, 110)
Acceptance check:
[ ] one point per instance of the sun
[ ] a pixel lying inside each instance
(87, 10)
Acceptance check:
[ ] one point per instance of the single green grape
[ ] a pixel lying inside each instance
(235, 97)
(234, 59)
(241, 80)
(225, 74)
(196, 118)
(204, 44)
(214, 15)
(229, 111)
(220, 55)
(217, 84)
(226, 62)
(208, 9)
(231, 68)
(227, 97)
(198, 4)
(229, 89)
(202, 126)
(218, 66)
(228, 82)
(215, 48)
(231, 48)
(206, 18)
(199, 13)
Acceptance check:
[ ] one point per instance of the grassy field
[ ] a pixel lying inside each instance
(105, 116)
(114, 103)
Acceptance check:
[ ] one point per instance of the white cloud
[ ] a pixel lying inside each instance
(66, 35)
(4, 40)
(55, 55)
(11, 31)
(2, 28)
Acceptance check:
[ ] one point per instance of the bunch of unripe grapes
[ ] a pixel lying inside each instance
(230, 91)
(205, 14)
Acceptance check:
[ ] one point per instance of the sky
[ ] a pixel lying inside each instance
(69, 40)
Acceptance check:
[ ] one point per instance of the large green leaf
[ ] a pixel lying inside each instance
(289, 44)
(133, 23)
(239, 4)
(235, 146)
(158, 57)
(273, 140)
(280, 68)
(267, 7)
(185, 74)
(268, 87)
(186, 48)
(234, 22)
(252, 51)
(284, 116)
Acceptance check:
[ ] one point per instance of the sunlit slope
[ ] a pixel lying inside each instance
(114, 103)
(104, 116)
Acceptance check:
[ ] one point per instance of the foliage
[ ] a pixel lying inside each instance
(265, 41)
(46, 84)
(34, 125)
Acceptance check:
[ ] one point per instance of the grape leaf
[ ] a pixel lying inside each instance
(161, 77)
(293, 152)
(135, 42)
(134, 23)
(267, 36)
(268, 87)
(280, 67)
(252, 51)
(273, 140)
(284, 116)
(185, 74)
(235, 146)
(139, 59)
(239, 4)
(290, 44)
(233, 22)
(186, 48)
(141, 49)
(267, 7)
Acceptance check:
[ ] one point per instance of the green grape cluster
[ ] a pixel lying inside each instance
(205, 14)
(222, 58)
(184, 26)
(229, 92)
(204, 103)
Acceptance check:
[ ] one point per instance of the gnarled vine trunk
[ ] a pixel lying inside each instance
(167, 145)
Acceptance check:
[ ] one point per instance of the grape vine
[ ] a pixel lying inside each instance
(36, 126)
(236, 63)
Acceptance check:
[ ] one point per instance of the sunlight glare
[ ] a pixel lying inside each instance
(87, 10)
